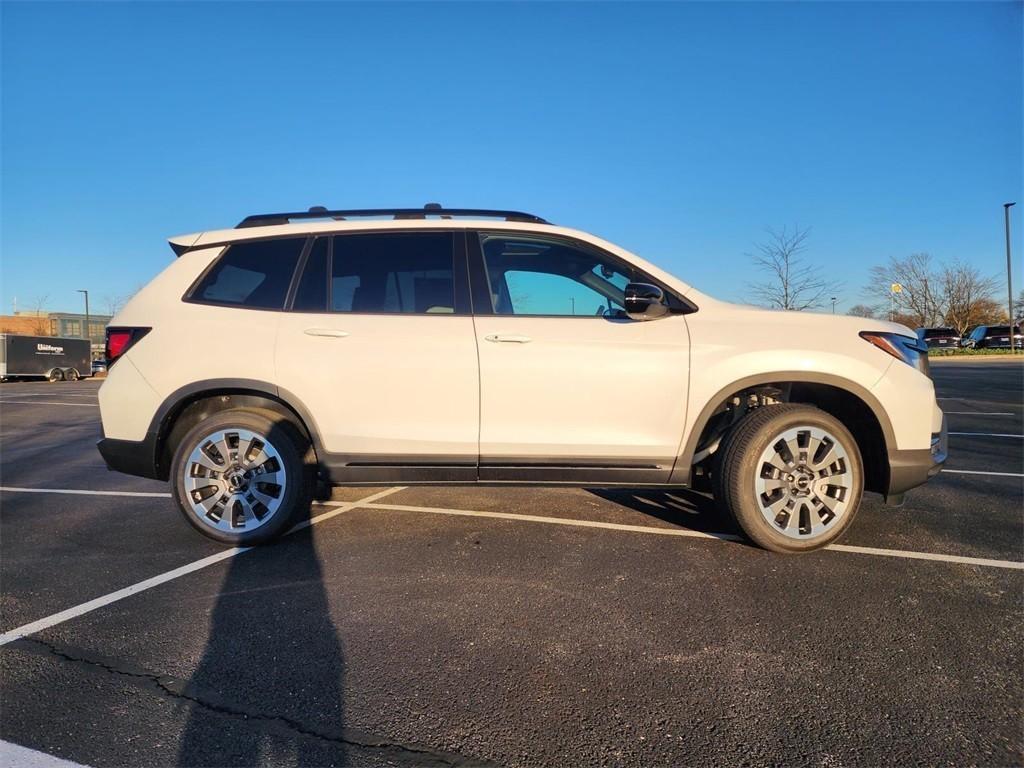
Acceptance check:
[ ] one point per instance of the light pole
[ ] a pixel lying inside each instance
(1009, 273)
(86, 334)
(833, 305)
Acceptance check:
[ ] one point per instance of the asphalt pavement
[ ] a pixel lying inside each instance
(510, 626)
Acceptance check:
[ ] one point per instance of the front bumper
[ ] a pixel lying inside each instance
(133, 457)
(909, 469)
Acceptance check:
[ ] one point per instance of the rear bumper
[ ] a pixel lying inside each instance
(133, 457)
(909, 469)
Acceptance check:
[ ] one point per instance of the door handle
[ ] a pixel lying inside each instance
(508, 338)
(332, 333)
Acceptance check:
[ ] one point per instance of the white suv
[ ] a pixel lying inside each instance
(450, 346)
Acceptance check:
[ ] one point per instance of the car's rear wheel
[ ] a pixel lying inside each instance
(240, 477)
(792, 477)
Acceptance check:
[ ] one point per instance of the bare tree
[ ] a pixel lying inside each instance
(966, 296)
(920, 297)
(113, 303)
(41, 326)
(791, 282)
(991, 312)
(861, 310)
(1018, 306)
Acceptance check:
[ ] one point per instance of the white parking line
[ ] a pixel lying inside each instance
(163, 578)
(370, 502)
(684, 532)
(976, 413)
(986, 434)
(13, 754)
(48, 394)
(982, 561)
(977, 472)
(47, 402)
(75, 492)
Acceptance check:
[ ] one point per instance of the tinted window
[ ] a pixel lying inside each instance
(1000, 330)
(311, 295)
(393, 273)
(937, 333)
(253, 275)
(537, 276)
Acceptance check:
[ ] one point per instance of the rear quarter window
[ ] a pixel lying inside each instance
(255, 275)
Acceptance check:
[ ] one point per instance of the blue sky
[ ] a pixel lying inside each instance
(679, 131)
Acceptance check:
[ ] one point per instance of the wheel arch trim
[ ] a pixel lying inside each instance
(682, 469)
(162, 422)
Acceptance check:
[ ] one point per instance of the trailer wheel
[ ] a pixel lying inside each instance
(72, 374)
(56, 375)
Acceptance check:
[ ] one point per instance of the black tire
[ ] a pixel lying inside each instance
(737, 473)
(72, 375)
(295, 458)
(55, 375)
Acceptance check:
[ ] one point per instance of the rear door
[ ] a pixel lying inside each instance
(379, 347)
(571, 389)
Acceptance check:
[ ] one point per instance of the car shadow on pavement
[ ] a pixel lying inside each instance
(680, 507)
(271, 678)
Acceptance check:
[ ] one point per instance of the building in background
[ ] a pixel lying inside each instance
(69, 325)
(26, 324)
(72, 325)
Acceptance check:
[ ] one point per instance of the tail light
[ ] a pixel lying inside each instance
(120, 340)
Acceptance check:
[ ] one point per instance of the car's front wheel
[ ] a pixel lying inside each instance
(792, 477)
(240, 476)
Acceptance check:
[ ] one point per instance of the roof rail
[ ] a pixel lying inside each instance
(430, 209)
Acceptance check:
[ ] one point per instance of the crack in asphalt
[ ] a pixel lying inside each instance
(167, 685)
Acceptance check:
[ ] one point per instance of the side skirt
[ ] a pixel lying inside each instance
(379, 470)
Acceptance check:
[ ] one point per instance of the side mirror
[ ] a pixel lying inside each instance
(645, 302)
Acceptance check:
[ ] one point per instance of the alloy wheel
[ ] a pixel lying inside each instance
(804, 482)
(234, 480)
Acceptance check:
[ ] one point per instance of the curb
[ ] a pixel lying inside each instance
(968, 359)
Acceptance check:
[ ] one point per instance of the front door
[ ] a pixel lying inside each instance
(572, 389)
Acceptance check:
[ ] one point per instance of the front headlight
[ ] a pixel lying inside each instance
(909, 349)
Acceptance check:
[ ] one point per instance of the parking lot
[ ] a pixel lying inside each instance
(510, 626)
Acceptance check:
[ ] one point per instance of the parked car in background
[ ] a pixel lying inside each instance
(99, 367)
(450, 346)
(939, 338)
(993, 337)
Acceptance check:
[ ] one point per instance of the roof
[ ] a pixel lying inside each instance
(313, 222)
(430, 209)
(321, 220)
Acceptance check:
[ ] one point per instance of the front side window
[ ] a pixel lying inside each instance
(533, 275)
(252, 274)
(404, 273)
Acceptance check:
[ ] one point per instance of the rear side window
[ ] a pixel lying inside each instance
(254, 275)
(393, 273)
